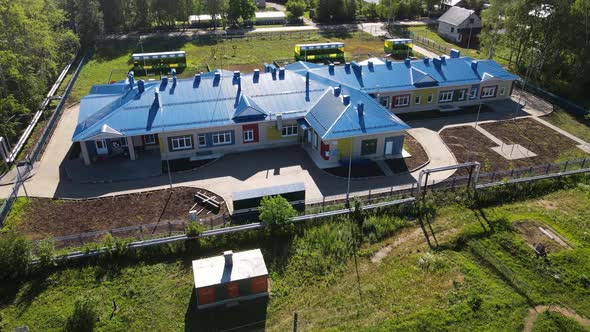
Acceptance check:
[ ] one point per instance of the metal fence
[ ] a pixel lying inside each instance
(39, 147)
(429, 43)
(553, 98)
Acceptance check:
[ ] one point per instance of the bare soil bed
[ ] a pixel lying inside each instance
(548, 144)
(44, 217)
(467, 144)
(529, 229)
(418, 159)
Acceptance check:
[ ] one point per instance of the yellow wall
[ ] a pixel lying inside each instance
(273, 134)
(344, 147)
(423, 93)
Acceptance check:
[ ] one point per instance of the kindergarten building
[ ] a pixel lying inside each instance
(335, 113)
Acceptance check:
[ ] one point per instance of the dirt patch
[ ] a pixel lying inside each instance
(419, 157)
(359, 170)
(45, 217)
(467, 144)
(533, 314)
(548, 144)
(402, 238)
(535, 232)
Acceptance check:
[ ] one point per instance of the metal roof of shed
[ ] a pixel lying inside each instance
(213, 270)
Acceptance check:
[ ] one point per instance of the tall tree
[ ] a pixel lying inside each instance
(89, 22)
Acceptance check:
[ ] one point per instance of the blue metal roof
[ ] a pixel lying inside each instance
(223, 98)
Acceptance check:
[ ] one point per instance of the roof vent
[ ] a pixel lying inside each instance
(407, 62)
(388, 63)
(140, 86)
(131, 81)
(443, 58)
(164, 80)
(347, 67)
(345, 99)
(337, 91)
(156, 96)
(173, 72)
(455, 53)
(436, 62)
(228, 255)
(426, 61)
(370, 64)
(331, 68)
(360, 108)
(356, 67)
(281, 72)
(174, 80)
(217, 75)
(256, 72)
(474, 64)
(237, 74)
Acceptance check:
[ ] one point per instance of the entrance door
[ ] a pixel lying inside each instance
(388, 148)
(101, 147)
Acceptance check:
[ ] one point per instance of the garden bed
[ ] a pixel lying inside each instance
(418, 159)
(39, 218)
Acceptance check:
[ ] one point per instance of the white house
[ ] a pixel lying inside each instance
(459, 25)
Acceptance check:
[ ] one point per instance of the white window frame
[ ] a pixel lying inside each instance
(473, 93)
(430, 98)
(418, 100)
(204, 137)
(502, 90)
(249, 135)
(462, 95)
(221, 138)
(149, 139)
(404, 98)
(102, 142)
(184, 142)
(289, 130)
(445, 96)
(488, 92)
(386, 99)
(124, 142)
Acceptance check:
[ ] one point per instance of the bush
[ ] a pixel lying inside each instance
(45, 252)
(275, 212)
(194, 229)
(84, 317)
(378, 227)
(15, 257)
(431, 262)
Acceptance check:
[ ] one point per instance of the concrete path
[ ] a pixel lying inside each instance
(439, 153)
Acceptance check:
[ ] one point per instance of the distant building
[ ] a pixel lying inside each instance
(270, 17)
(459, 25)
(447, 4)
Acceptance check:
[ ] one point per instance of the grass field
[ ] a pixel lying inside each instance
(564, 120)
(244, 54)
(409, 288)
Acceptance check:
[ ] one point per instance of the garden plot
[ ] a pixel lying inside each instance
(43, 217)
(535, 233)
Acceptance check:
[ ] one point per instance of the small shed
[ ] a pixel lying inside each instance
(460, 25)
(270, 17)
(294, 193)
(231, 277)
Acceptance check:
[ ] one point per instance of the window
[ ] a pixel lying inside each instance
(430, 98)
(452, 29)
(384, 101)
(445, 96)
(488, 92)
(100, 144)
(249, 135)
(418, 100)
(502, 91)
(149, 139)
(368, 147)
(202, 140)
(471, 20)
(473, 93)
(123, 142)
(315, 140)
(461, 94)
(181, 142)
(220, 138)
(289, 130)
(401, 101)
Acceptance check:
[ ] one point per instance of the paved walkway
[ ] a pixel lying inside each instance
(438, 152)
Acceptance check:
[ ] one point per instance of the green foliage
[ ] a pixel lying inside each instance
(275, 212)
(15, 257)
(550, 321)
(431, 262)
(90, 23)
(194, 229)
(45, 251)
(115, 247)
(378, 227)
(85, 316)
(295, 9)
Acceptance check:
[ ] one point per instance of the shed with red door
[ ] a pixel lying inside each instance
(229, 278)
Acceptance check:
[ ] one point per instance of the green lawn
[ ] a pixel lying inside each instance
(112, 56)
(555, 322)
(577, 126)
(411, 290)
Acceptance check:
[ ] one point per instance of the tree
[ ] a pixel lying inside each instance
(84, 317)
(295, 9)
(275, 212)
(15, 257)
(89, 22)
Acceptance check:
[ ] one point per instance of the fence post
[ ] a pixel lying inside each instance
(583, 162)
(323, 203)
(369, 194)
(565, 166)
(169, 229)
(493, 177)
(295, 321)
(453, 185)
(141, 232)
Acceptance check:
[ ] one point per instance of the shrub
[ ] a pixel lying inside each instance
(84, 317)
(15, 257)
(45, 252)
(377, 227)
(194, 229)
(431, 262)
(275, 212)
